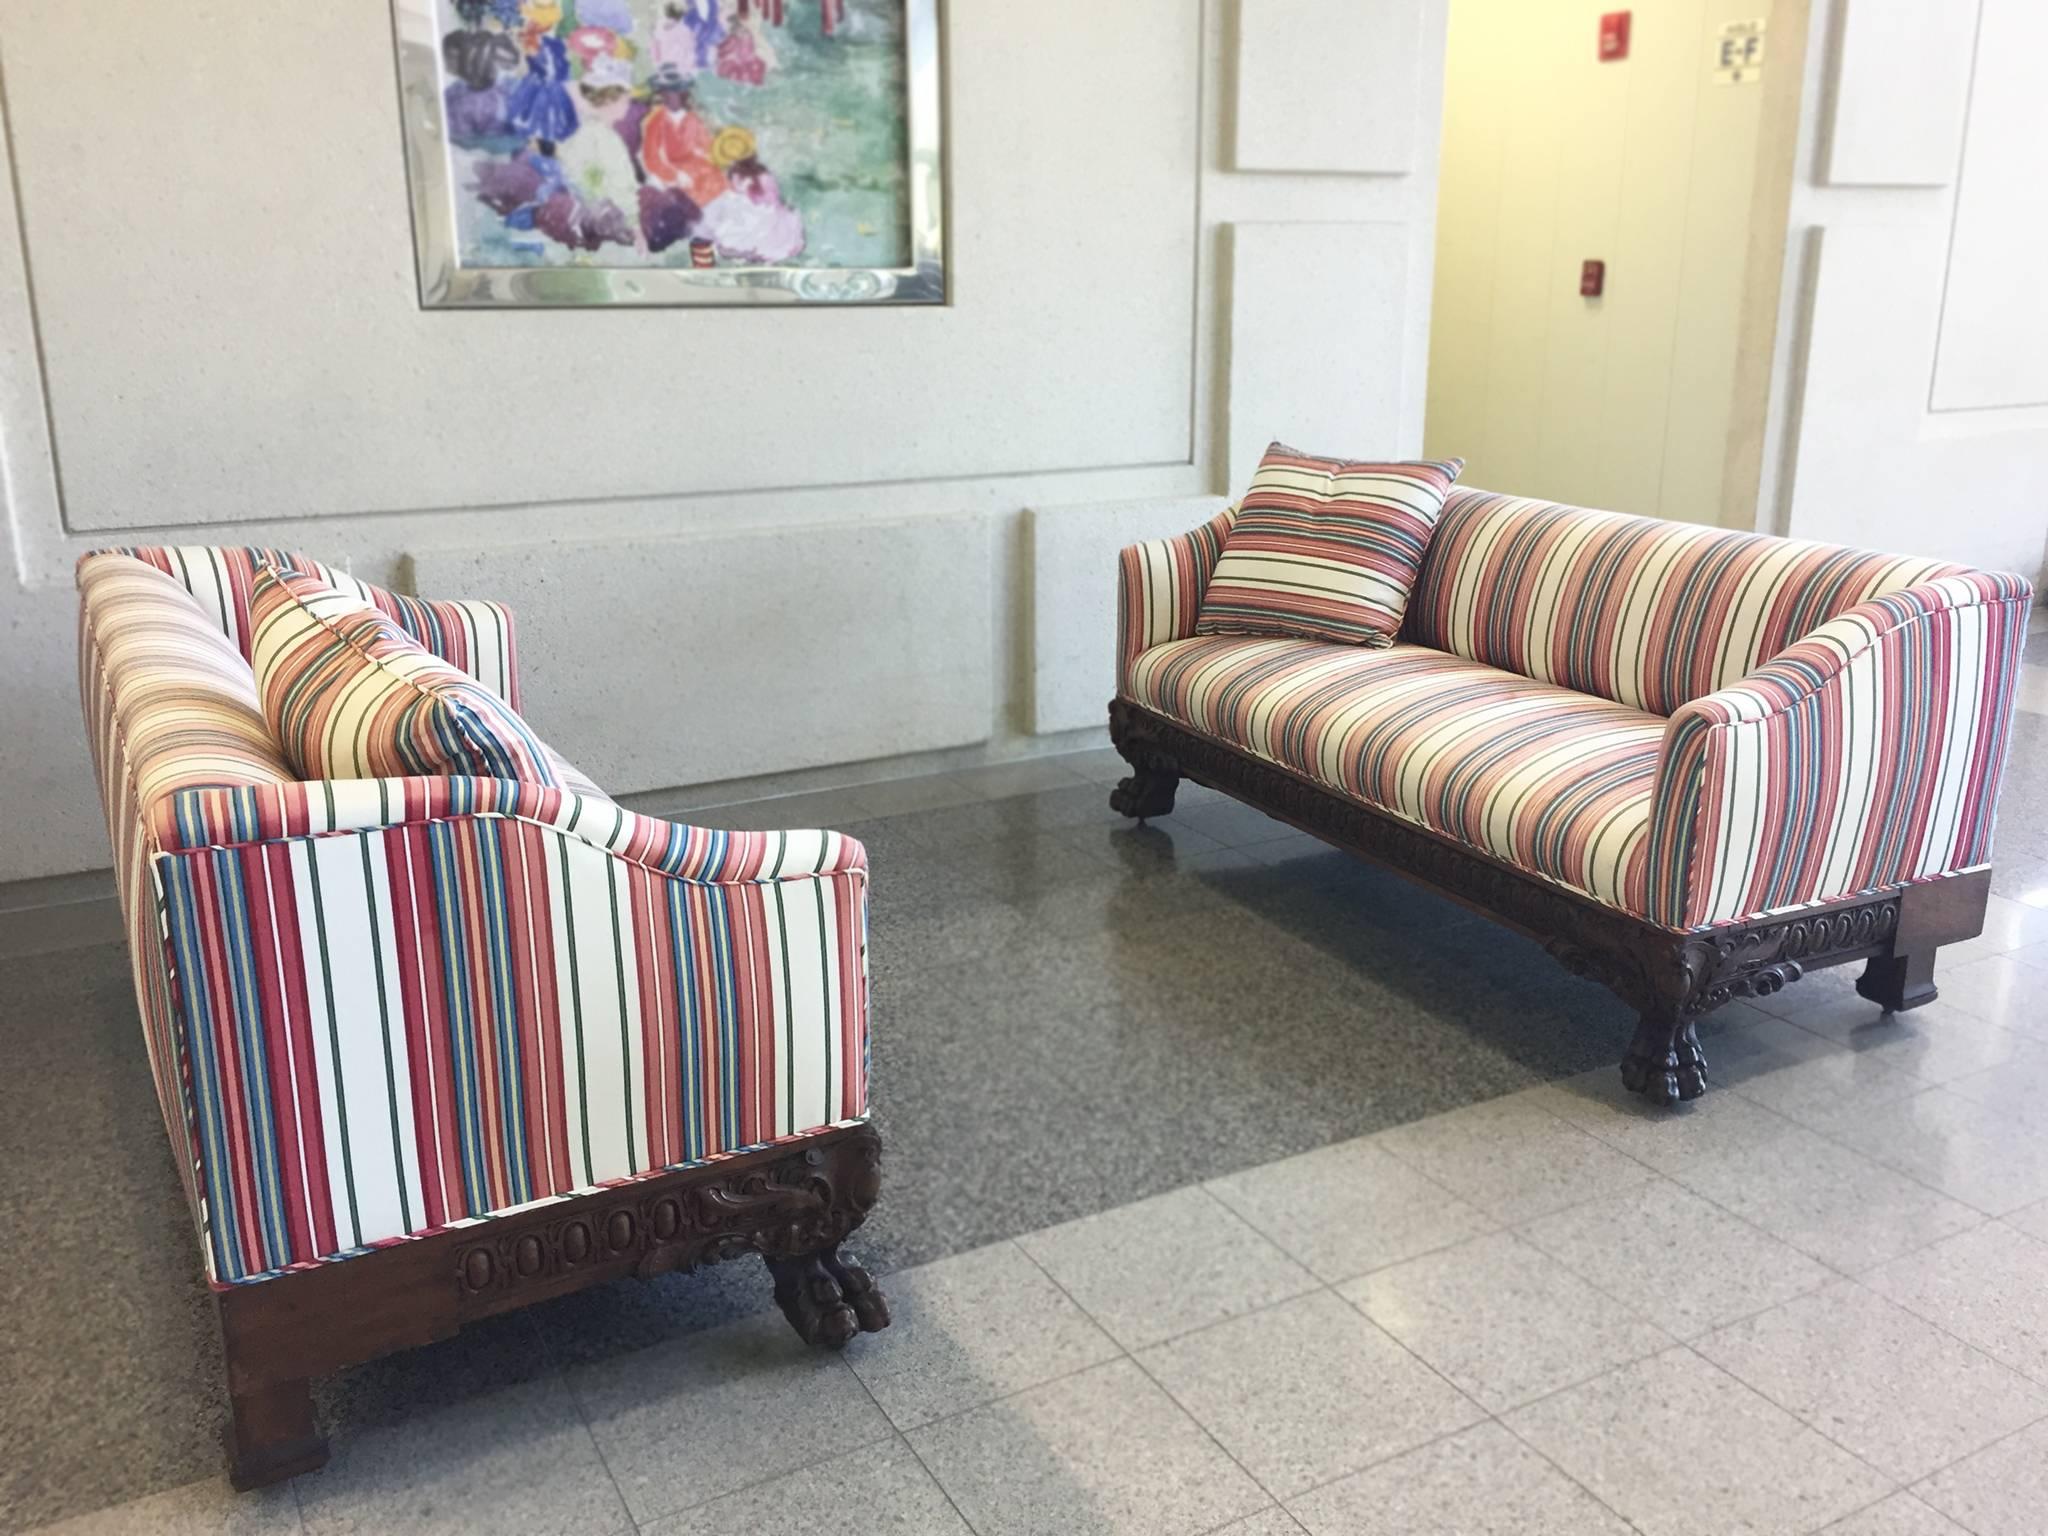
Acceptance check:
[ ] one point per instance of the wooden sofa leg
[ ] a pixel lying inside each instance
(828, 1298)
(1898, 982)
(1147, 792)
(1664, 1062)
(271, 1434)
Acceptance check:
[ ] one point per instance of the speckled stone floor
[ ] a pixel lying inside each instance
(1071, 1012)
(1093, 1041)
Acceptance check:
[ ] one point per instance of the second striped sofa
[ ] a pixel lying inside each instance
(1693, 762)
(430, 1048)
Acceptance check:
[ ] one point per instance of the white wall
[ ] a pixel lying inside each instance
(1909, 400)
(236, 354)
(1550, 157)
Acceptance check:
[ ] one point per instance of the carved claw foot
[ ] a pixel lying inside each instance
(1662, 1067)
(1147, 792)
(828, 1299)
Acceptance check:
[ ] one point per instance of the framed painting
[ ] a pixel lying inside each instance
(574, 152)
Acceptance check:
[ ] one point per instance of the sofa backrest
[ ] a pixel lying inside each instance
(169, 703)
(1646, 612)
(475, 636)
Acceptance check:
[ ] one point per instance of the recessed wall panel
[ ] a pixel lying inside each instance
(1327, 85)
(1902, 76)
(653, 664)
(1994, 320)
(1316, 340)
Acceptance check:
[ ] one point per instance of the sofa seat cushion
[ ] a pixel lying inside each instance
(349, 695)
(1554, 782)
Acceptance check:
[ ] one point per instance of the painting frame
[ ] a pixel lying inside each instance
(446, 282)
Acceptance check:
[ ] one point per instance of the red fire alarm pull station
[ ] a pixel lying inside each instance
(1613, 36)
(1592, 279)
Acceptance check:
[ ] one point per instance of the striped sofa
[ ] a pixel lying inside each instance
(431, 1048)
(1694, 762)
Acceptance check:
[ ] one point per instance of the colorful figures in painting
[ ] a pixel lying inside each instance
(751, 222)
(745, 55)
(587, 130)
(540, 105)
(675, 144)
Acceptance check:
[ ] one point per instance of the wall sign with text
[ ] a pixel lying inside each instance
(1739, 53)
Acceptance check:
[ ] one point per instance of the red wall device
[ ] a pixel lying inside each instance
(1592, 279)
(1613, 36)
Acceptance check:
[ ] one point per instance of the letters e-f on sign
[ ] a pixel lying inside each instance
(1739, 53)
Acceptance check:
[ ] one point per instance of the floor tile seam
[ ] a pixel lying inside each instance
(1864, 1509)
(1968, 1009)
(1924, 1081)
(979, 1404)
(1377, 1462)
(2007, 1220)
(1404, 1347)
(1081, 780)
(1857, 1281)
(1830, 1276)
(903, 1437)
(633, 1522)
(1207, 1434)
(1492, 1229)
(1530, 1088)
(1132, 1356)
(1563, 1471)
(1492, 1226)
(1990, 1445)
(1198, 1187)
(567, 1379)
(1921, 1090)
(1834, 1268)
(1213, 1530)
(1893, 1483)
(1935, 1323)
(752, 1483)
(1116, 1344)
(1671, 1342)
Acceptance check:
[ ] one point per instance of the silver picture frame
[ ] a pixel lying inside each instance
(446, 283)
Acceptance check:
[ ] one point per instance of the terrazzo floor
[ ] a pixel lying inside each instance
(1228, 1187)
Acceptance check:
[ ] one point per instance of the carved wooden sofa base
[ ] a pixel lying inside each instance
(1671, 979)
(792, 1204)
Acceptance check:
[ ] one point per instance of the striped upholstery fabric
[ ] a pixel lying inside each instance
(392, 1030)
(190, 712)
(1866, 755)
(350, 696)
(1694, 726)
(1159, 589)
(1325, 549)
(475, 637)
(187, 716)
(376, 1007)
(1554, 782)
(1638, 610)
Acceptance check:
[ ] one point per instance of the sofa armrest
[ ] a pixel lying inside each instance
(1159, 588)
(232, 816)
(1866, 755)
(398, 1025)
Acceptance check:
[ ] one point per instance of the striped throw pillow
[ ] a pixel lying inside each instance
(349, 695)
(1325, 549)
